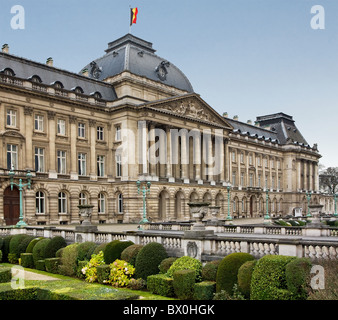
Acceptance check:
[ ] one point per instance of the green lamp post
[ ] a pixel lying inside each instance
(20, 185)
(267, 217)
(145, 189)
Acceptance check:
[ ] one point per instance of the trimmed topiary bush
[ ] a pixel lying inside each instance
(148, 260)
(52, 265)
(166, 264)
(204, 290)
(130, 253)
(297, 274)
(40, 265)
(268, 280)
(18, 245)
(227, 271)
(103, 273)
(0, 255)
(209, 270)
(85, 250)
(5, 275)
(161, 284)
(114, 249)
(187, 263)
(69, 260)
(244, 277)
(39, 250)
(99, 248)
(31, 245)
(1, 242)
(27, 260)
(54, 245)
(184, 282)
(5, 248)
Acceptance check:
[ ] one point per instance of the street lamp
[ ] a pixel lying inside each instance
(20, 185)
(145, 189)
(228, 190)
(308, 198)
(267, 204)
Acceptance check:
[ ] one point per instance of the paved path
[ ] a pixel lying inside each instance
(28, 275)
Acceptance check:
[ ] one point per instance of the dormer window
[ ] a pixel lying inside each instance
(97, 95)
(78, 90)
(8, 72)
(35, 79)
(57, 85)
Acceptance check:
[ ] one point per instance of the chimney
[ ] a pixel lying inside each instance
(49, 62)
(5, 48)
(85, 72)
(249, 122)
(236, 118)
(225, 114)
(257, 124)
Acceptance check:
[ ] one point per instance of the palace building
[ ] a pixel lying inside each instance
(131, 115)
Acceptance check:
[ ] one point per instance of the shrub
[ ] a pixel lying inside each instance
(114, 249)
(31, 245)
(148, 260)
(161, 284)
(27, 260)
(204, 290)
(1, 242)
(52, 265)
(209, 270)
(40, 265)
(187, 263)
(227, 270)
(85, 251)
(5, 248)
(18, 245)
(137, 284)
(12, 258)
(268, 280)
(99, 248)
(184, 281)
(297, 274)
(90, 270)
(103, 272)
(54, 245)
(0, 255)
(244, 277)
(5, 275)
(130, 253)
(39, 250)
(69, 260)
(166, 264)
(120, 273)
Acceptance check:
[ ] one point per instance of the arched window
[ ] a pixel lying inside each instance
(62, 202)
(8, 72)
(35, 79)
(97, 95)
(82, 198)
(40, 202)
(120, 204)
(101, 203)
(78, 90)
(57, 85)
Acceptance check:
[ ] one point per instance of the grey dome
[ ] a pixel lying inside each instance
(137, 56)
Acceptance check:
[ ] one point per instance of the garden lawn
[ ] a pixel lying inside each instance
(80, 290)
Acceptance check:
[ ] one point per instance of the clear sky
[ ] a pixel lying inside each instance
(245, 57)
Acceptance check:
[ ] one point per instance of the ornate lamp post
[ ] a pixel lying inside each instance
(308, 197)
(145, 189)
(267, 205)
(20, 185)
(229, 218)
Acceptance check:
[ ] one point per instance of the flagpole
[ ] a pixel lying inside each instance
(130, 24)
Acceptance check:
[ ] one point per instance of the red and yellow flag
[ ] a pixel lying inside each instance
(133, 15)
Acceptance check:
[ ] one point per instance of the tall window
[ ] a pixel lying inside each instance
(11, 118)
(39, 160)
(61, 127)
(118, 165)
(120, 203)
(100, 166)
(82, 130)
(82, 198)
(234, 178)
(242, 179)
(61, 157)
(40, 202)
(82, 164)
(251, 178)
(62, 203)
(100, 133)
(259, 180)
(101, 203)
(38, 122)
(118, 133)
(12, 156)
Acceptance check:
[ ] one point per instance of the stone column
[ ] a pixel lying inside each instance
(299, 186)
(198, 157)
(92, 126)
(143, 146)
(310, 176)
(52, 151)
(73, 151)
(306, 186)
(169, 167)
(184, 156)
(152, 155)
(316, 177)
(28, 112)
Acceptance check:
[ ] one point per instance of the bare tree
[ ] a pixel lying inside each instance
(328, 180)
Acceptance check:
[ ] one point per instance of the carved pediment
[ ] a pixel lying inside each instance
(12, 134)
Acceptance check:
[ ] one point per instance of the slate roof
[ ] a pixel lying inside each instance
(136, 55)
(25, 69)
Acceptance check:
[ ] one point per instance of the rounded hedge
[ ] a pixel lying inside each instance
(1, 242)
(39, 250)
(5, 248)
(130, 253)
(148, 260)
(184, 282)
(69, 259)
(268, 280)
(166, 264)
(18, 245)
(187, 263)
(31, 245)
(54, 245)
(113, 250)
(228, 269)
(209, 270)
(244, 277)
(85, 251)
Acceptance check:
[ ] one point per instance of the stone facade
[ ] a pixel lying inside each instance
(88, 140)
